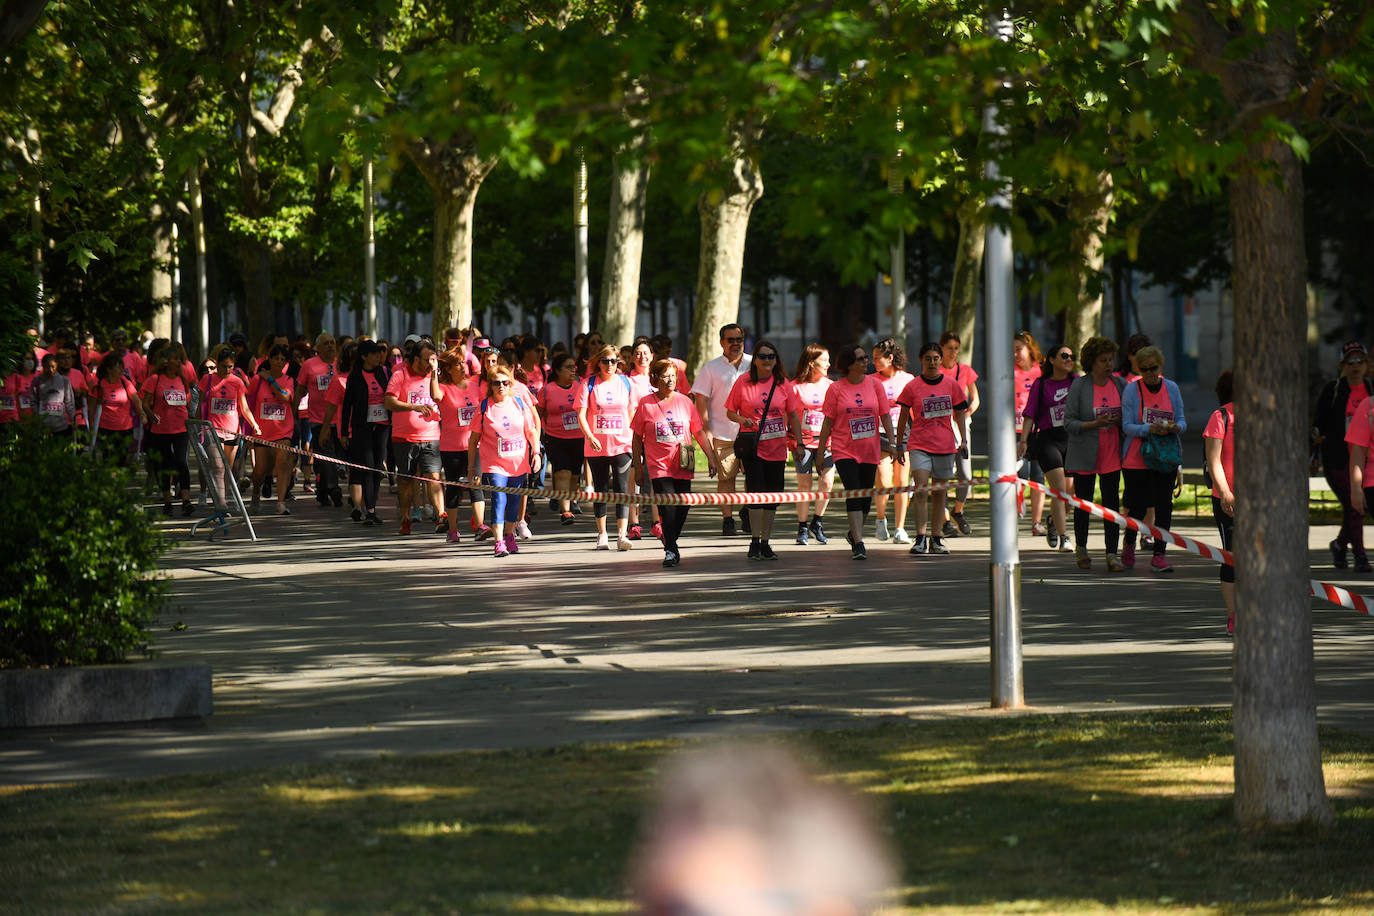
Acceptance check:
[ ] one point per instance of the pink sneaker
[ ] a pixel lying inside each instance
(511, 546)
(1128, 556)
(658, 530)
(484, 532)
(453, 537)
(1160, 565)
(501, 550)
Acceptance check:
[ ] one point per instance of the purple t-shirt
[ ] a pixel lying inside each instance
(1048, 402)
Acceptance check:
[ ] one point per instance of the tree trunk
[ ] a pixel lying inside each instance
(259, 311)
(454, 178)
(1089, 212)
(624, 246)
(160, 281)
(724, 224)
(968, 270)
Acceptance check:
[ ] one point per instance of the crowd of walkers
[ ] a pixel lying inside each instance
(424, 416)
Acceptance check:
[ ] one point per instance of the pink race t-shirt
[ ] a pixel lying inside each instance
(170, 403)
(9, 402)
(335, 396)
(135, 368)
(811, 397)
(1021, 386)
(891, 388)
(1361, 432)
(117, 409)
(503, 441)
(1357, 397)
(639, 381)
(1154, 407)
(1223, 428)
(609, 407)
(273, 414)
(747, 398)
(410, 425)
(665, 426)
(315, 377)
(22, 386)
(856, 413)
(933, 406)
(560, 410)
(456, 411)
(222, 402)
(1107, 403)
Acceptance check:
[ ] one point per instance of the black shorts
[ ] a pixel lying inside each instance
(565, 454)
(417, 458)
(1050, 446)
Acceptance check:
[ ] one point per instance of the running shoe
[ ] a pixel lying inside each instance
(415, 514)
(307, 487)
(635, 532)
(427, 511)
(1128, 556)
(484, 532)
(453, 537)
(372, 519)
(657, 530)
(500, 550)
(1082, 559)
(511, 546)
(188, 507)
(356, 514)
(336, 497)
(602, 542)
(624, 543)
(744, 521)
(1052, 538)
(522, 531)
(1113, 564)
(1362, 563)
(322, 498)
(918, 546)
(1337, 555)
(818, 531)
(901, 537)
(766, 551)
(858, 551)
(576, 509)
(1065, 543)
(282, 510)
(937, 546)
(727, 527)
(1160, 565)
(566, 518)
(553, 505)
(441, 524)
(670, 559)
(948, 530)
(405, 526)
(880, 529)
(962, 523)
(1037, 530)
(753, 548)
(1146, 543)
(803, 537)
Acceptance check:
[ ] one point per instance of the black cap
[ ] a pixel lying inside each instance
(368, 347)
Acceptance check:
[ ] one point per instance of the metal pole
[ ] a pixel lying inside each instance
(37, 226)
(584, 295)
(896, 184)
(174, 313)
(198, 239)
(369, 251)
(1005, 573)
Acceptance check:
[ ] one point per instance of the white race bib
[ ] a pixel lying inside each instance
(420, 397)
(1057, 415)
(1158, 415)
(223, 407)
(1110, 413)
(773, 428)
(937, 406)
(610, 422)
(570, 421)
(271, 410)
(174, 397)
(376, 413)
(813, 420)
(510, 446)
(322, 382)
(25, 402)
(52, 407)
(863, 427)
(6, 402)
(667, 432)
(465, 415)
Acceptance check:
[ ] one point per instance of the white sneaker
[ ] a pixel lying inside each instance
(427, 512)
(522, 530)
(880, 529)
(901, 537)
(602, 543)
(1065, 543)
(625, 544)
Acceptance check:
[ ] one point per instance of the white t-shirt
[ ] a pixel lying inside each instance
(714, 382)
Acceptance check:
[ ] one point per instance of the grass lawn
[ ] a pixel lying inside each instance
(1043, 814)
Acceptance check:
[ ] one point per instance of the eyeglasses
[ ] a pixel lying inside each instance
(1064, 356)
(502, 383)
(1144, 369)
(609, 360)
(1355, 361)
(861, 356)
(765, 356)
(733, 339)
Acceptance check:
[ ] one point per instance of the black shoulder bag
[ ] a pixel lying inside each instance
(747, 441)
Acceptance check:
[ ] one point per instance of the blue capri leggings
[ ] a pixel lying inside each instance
(505, 507)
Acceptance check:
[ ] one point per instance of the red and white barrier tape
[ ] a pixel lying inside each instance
(1333, 593)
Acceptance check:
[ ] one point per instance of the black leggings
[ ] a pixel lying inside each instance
(1145, 489)
(368, 447)
(1226, 527)
(857, 475)
(764, 476)
(456, 466)
(1083, 488)
(328, 470)
(603, 467)
(167, 451)
(674, 518)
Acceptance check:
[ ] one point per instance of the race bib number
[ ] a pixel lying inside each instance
(1057, 415)
(570, 421)
(376, 413)
(610, 423)
(420, 397)
(465, 415)
(6, 402)
(667, 432)
(223, 407)
(1158, 415)
(272, 411)
(174, 397)
(773, 428)
(322, 382)
(863, 427)
(1108, 413)
(25, 402)
(937, 406)
(52, 407)
(510, 447)
(813, 420)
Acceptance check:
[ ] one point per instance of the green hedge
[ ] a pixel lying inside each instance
(79, 563)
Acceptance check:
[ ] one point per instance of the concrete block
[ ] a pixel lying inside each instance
(103, 693)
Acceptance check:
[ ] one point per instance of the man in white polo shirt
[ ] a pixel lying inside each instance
(710, 389)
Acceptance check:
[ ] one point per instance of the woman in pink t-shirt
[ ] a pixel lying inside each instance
(764, 404)
(856, 409)
(664, 424)
(462, 399)
(120, 405)
(641, 358)
(1026, 359)
(1219, 443)
(225, 402)
(1093, 456)
(889, 368)
(507, 433)
(270, 393)
(605, 405)
(933, 404)
(811, 381)
(563, 437)
(167, 398)
(965, 376)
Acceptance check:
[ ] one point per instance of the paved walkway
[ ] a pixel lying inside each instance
(332, 641)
